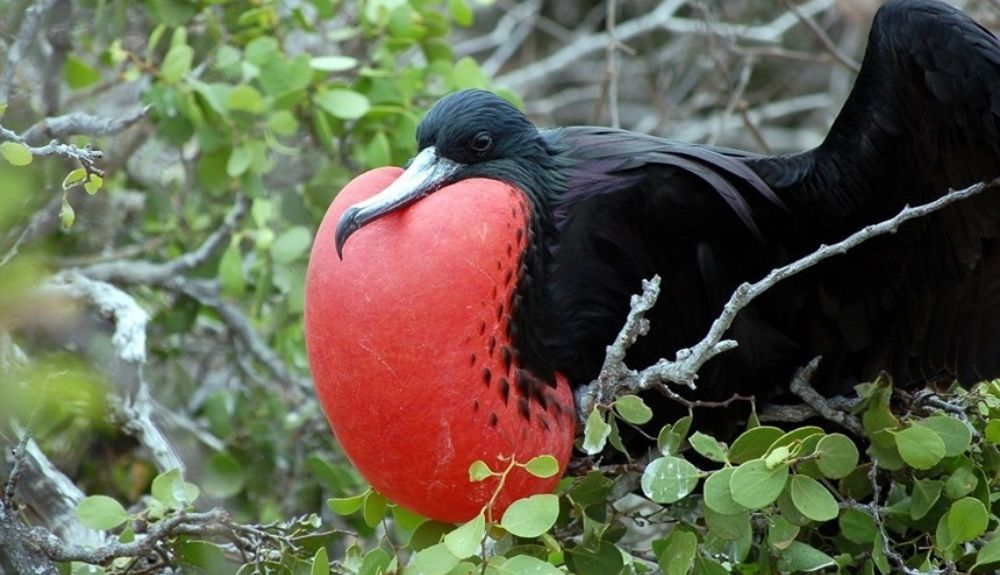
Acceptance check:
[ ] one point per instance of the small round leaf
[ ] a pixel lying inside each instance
(754, 486)
(101, 512)
(531, 516)
(669, 479)
(543, 466)
(836, 455)
(956, 435)
(633, 409)
(717, 494)
(466, 539)
(920, 447)
(812, 499)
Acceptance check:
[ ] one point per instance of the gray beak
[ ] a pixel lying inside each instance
(425, 174)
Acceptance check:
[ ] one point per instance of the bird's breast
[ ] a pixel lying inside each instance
(412, 351)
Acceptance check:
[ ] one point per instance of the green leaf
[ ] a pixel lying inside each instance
(920, 447)
(754, 486)
(781, 532)
(177, 63)
(858, 526)
(591, 490)
(73, 178)
(343, 104)
(374, 508)
(101, 512)
(717, 494)
(753, 443)
(992, 431)
(172, 491)
(346, 505)
(531, 516)
(677, 557)
(435, 560)
(225, 475)
(777, 456)
(595, 433)
(461, 12)
(602, 558)
(734, 527)
(466, 540)
(93, 183)
(231, 271)
(79, 74)
(543, 466)
(967, 519)
(66, 214)
(320, 563)
(800, 557)
(708, 446)
(955, 433)
(836, 456)
(245, 98)
(333, 63)
(988, 553)
(283, 123)
(17, 154)
(633, 409)
(961, 483)
(479, 471)
(239, 161)
(925, 494)
(292, 244)
(668, 479)
(526, 565)
(812, 499)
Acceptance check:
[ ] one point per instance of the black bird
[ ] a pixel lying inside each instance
(608, 208)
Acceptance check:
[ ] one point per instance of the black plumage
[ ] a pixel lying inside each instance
(612, 207)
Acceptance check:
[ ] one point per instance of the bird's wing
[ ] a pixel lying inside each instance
(923, 117)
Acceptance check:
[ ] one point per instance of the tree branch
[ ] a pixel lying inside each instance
(688, 361)
(29, 27)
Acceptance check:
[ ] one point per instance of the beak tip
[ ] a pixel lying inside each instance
(346, 226)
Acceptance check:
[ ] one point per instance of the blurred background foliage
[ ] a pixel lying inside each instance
(226, 128)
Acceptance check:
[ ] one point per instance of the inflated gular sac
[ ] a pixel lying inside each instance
(409, 347)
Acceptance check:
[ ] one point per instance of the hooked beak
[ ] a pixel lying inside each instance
(426, 173)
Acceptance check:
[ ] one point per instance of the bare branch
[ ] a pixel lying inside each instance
(29, 27)
(79, 123)
(86, 156)
(823, 38)
(800, 387)
(662, 18)
(142, 272)
(684, 368)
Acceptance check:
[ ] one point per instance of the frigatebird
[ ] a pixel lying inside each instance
(452, 306)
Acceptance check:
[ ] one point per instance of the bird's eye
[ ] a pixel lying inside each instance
(482, 143)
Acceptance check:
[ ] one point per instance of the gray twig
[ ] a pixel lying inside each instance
(800, 386)
(79, 123)
(86, 156)
(29, 27)
(688, 361)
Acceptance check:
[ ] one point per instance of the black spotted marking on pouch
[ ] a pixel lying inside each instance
(482, 327)
(522, 408)
(475, 405)
(491, 345)
(500, 309)
(487, 376)
(504, 389)
(472, 359)
(510, 249)
(506, 356)
(545, 423)
(493, 420)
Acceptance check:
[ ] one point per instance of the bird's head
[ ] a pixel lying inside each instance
(467, 134)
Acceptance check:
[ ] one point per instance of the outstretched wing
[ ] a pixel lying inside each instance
(924, 117)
